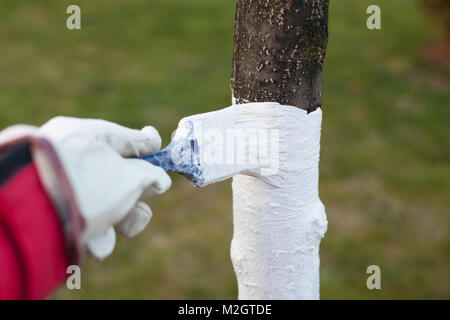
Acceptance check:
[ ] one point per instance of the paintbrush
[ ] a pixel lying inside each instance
(210, 147)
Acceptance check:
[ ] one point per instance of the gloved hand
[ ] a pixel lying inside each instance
(106, 185)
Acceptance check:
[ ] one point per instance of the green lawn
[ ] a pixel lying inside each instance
(385, 172)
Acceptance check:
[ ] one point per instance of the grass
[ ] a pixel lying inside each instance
(385, 146)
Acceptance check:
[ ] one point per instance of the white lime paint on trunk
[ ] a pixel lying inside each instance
(279, 220)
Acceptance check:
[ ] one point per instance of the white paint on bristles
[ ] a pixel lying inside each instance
(230, 141)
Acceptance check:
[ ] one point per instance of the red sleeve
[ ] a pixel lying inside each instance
(33, 259)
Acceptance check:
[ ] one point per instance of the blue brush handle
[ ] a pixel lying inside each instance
(181, 157)
(162, 159)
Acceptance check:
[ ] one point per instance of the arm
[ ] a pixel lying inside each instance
(66, 187)
(32, 254)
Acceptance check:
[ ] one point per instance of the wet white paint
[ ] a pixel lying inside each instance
(280, 220)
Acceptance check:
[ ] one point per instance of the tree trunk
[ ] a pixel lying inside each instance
(279, 49)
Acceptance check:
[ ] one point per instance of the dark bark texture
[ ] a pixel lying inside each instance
(279, 51)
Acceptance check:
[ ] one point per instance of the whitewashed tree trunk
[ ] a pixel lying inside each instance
(279, 49)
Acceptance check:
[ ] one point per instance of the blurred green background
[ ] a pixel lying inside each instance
(385, 154)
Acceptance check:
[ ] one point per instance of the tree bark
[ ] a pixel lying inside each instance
(279, 50)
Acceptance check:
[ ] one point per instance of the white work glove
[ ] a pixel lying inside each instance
(106, 185)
